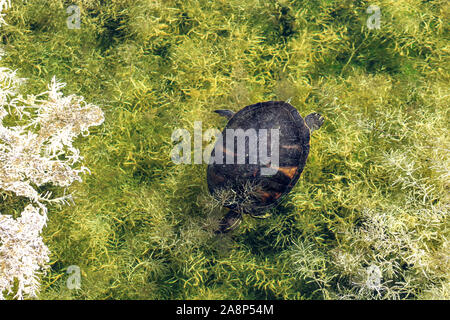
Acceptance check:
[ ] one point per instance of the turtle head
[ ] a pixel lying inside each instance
(314, 121)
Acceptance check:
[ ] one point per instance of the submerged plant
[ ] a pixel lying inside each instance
(35, 153)
(242, 200)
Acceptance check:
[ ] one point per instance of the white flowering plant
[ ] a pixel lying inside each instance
(35, 150)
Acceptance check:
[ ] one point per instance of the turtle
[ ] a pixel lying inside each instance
(252, 186)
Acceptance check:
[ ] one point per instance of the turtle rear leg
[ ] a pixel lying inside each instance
(230, 222)
(225, 113)
(314, 121)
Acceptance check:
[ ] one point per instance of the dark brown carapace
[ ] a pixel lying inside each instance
(241, 186)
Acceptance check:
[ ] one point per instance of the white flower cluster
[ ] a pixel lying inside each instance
(31, 154)
(37, 150)
(4, 4)
(23, 253)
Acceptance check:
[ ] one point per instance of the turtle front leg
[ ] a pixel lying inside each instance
(314, 121)
(230, 222)
(225, 113)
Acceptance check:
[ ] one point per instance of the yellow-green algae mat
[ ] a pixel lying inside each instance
(369, 215)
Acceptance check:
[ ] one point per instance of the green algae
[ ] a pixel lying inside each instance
(375, 188)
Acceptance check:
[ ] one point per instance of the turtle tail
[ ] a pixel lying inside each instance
(230, 222)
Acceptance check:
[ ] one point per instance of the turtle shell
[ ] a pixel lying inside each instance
(241, 186)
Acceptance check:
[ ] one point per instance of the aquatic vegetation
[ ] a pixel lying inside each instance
(369, 215)
(35, 152)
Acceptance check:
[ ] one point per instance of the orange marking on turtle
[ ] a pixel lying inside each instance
(265, 195)
(225, 151)
(216, 177)
(291, 147)
(288, 171)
